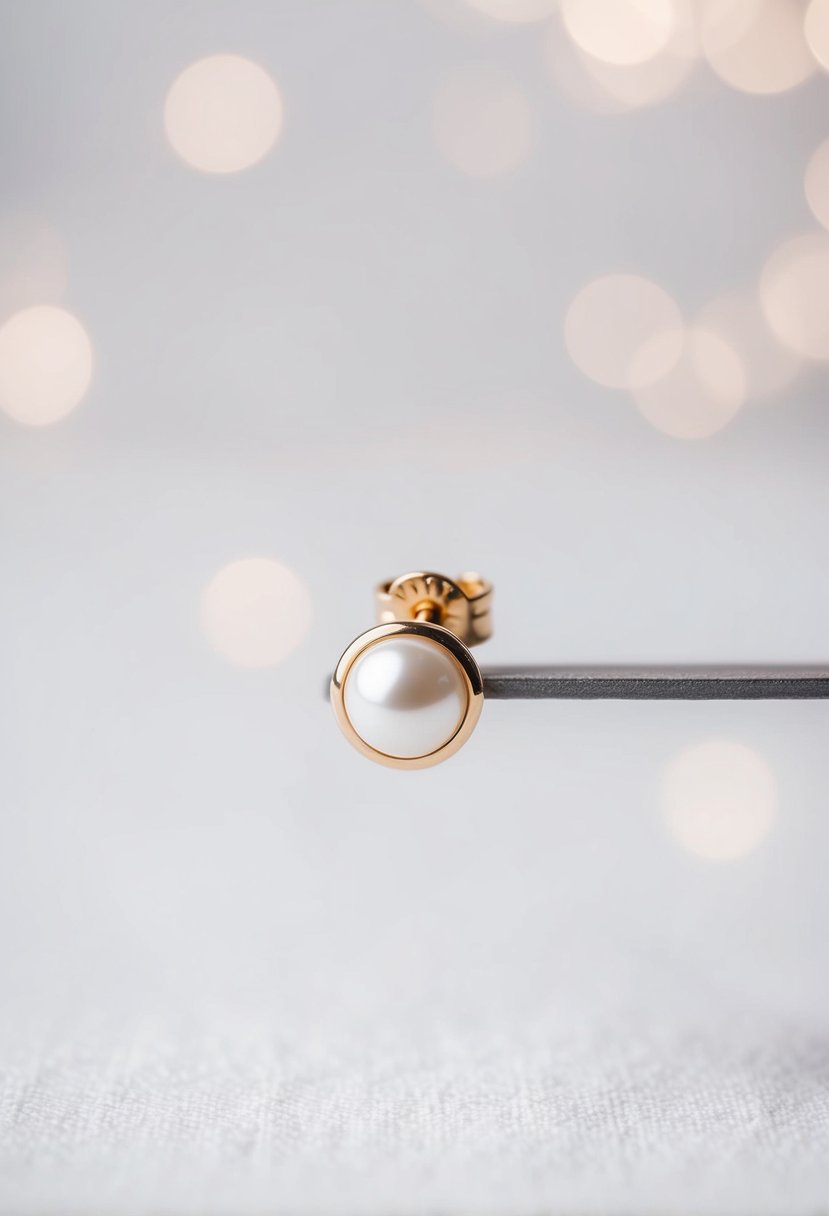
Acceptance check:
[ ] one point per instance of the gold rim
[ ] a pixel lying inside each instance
(446, 641)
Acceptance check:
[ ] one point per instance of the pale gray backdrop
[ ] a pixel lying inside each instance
(242, 970)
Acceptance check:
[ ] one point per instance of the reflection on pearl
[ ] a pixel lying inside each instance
(405, 697)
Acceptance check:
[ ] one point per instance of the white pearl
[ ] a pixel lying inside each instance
(405, 696)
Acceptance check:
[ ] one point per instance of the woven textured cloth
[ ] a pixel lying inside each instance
(539, 1122)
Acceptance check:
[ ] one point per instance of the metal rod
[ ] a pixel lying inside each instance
(656, 683)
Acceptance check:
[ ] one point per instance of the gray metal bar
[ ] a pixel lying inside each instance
(656, 683)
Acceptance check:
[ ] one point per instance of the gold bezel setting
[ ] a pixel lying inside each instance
(438, 636)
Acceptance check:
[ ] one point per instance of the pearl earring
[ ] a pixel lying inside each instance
(408, 693)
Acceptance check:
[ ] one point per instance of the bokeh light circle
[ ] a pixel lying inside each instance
(620, 31)
(756, 46)
(794, 291)
(645, 84)
(700, 394)
(45, 365)
(482, 122)
(816, 183)
(738, 319)
(610, 88)
(34, 263)
(611, 320)
(719, 799)
(515, 12)
(223, 114)
(816, 30)
(255, 612)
